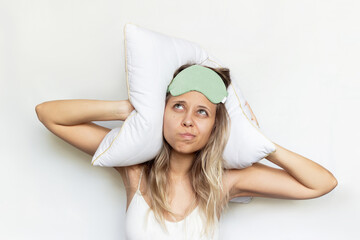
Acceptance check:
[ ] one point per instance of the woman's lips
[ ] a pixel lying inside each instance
(187, 136)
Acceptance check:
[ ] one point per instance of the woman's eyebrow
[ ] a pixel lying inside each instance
(205, 107)
(184, 102)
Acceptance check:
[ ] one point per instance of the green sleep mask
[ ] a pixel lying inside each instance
(201, 79)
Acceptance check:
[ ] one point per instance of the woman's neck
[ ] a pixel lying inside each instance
(180, 164)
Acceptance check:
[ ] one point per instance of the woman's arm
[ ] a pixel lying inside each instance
(310, 174)
(71, 120)
(300, 178)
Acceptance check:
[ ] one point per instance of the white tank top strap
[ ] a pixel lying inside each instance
(138, 188)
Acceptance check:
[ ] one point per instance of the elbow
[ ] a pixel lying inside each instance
(335, 183)
(332, 183)
(38, 110)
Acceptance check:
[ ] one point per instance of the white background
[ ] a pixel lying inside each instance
(297, 63)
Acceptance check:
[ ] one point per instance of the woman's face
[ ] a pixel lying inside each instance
(190, 113)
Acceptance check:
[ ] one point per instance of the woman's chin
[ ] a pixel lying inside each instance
(184, 149)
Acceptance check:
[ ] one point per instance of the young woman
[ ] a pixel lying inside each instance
(181, 193)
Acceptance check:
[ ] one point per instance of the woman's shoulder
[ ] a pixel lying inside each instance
(131, 174)
(227, 179)
(137, 168)
(230, 178)
(134, 171)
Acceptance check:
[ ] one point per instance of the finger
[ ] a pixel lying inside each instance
(253, 115)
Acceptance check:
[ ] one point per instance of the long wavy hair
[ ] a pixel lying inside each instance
(206, 171)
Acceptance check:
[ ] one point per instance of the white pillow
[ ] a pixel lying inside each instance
(151, 60)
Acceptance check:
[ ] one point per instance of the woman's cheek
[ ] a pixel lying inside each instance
(205, 127)
(169, 128)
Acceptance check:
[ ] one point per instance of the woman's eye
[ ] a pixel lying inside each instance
(204, 112)
(177, 105)
(201, 111)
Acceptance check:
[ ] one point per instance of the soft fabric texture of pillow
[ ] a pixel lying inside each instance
(151, 60)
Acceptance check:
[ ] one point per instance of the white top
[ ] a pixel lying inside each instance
(141, 223)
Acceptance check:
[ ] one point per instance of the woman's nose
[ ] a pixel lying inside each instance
(187, 120)
(187, 123)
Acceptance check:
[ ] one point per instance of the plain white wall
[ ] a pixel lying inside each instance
(297, 63)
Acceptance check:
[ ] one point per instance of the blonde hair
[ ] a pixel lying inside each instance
(205, 174)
